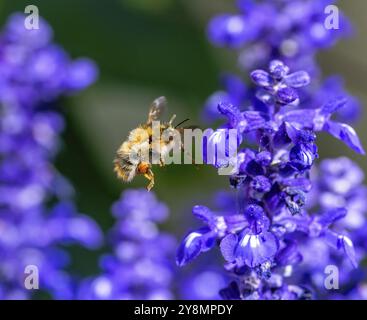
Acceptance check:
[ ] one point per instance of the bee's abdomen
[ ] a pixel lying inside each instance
(124, 169)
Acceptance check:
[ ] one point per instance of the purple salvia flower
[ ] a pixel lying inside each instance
(263, 235)
(35, 72)
(140, 266)
(289, 31)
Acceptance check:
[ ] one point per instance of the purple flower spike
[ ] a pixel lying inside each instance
(141, 265)
(37, 214)
(282, 224)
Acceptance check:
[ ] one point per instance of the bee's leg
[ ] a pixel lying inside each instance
(162, 163)
(144, 169)
(150, 176)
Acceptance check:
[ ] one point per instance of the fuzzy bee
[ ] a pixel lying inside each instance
(135, 154)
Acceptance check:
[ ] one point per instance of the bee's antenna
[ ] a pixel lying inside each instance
(172, 119)
(182, 122)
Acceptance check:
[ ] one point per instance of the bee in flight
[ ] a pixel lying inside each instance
(134, 154)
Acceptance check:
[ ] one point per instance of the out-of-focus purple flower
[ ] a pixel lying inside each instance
(202, 283)
(15, 32)
(289, 31)
(36, 210)
(338, 184)
(141, 205)
(333, 87)
(230, 30)
(34, 70)
(140, 266)
(235, 93)
(81, 74)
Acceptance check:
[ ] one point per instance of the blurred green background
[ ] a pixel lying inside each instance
(145, 49)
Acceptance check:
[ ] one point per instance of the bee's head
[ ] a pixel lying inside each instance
(171, 134)
(171, 131)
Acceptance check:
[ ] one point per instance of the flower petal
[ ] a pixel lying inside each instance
(192, 245)
(333, 105)
(231, 112)
(346, 134)
(342, 242)
(228, 30)
(298, 79)
(255, 249)
(287, 95)
(331, 216)
(289, 255)
(203, 213)
(261, 78)
(227, 247)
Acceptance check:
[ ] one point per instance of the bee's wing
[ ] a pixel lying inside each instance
(156, 109)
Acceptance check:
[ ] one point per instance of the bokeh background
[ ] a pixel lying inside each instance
(145, 49)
